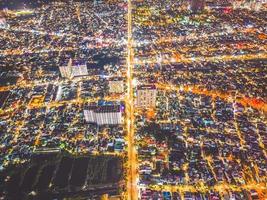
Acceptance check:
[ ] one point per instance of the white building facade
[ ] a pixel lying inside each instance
(103, 115)
(71, 70)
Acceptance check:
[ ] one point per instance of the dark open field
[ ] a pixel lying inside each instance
(61, 176)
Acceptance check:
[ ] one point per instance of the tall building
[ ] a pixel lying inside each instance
(116, 86)
(248, 4)
(79, 69)
(103, 115)
(197, 5)
(66, 71)
(146, 96)
(73, 70)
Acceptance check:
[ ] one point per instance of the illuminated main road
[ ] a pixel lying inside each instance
(132, 192)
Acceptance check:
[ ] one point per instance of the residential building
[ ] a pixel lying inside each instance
(146, 96)
(73, 70)
(116, 86)
(103, 115)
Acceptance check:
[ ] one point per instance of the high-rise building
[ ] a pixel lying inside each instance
(73, 70)
(89, 114)
(197, 5)
(116, 86)
(66, 71)
(146, 96)
(79, 70)
(249, 4)
(103, 115)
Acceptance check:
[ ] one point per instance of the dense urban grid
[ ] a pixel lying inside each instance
(177, 90)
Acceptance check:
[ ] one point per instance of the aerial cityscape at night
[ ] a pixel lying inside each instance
(133, 99)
